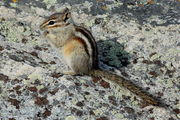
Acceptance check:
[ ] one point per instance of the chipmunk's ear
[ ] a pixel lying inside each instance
(66, 14)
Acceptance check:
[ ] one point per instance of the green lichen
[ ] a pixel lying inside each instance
(36, 75)
(3, 93)
(98, 112)
(40, 87)
(134, 103)
(90, 23)
(70, 118)
(118, 3)
(50, 3)
(10, 32)
(1, 3)
(13, 5)
(119, 116)
(74, 101)
(112, 53)
(113, 112)
(155, 57)
(27, 32)
(178, 115)
(170, 54)
(16, 31)
(169, 83)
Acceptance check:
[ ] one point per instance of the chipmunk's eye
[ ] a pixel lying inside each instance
(51, 22)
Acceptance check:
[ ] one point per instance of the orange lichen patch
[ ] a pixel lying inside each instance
(14, 0)
(150, 2)
(141, 5)
(100, 0)
(104, 7)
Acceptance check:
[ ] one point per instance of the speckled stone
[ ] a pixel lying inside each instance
(138, 39)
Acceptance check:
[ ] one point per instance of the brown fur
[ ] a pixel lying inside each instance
(76, 55)
(68, 48)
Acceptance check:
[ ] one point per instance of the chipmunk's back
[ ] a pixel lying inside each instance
(91, 43)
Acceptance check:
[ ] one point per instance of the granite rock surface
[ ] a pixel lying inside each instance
(137, 39)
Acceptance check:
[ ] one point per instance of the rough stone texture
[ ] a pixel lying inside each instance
(139, 39)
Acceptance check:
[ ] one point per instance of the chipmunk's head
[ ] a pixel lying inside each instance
(57, 20)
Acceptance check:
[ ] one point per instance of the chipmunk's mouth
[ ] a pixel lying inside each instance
(45, 33)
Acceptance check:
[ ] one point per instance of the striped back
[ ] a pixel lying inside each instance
(90, 43)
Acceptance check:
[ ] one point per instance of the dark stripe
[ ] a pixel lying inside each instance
(92, 42)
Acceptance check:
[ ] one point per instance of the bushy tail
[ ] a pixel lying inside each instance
(127, 84)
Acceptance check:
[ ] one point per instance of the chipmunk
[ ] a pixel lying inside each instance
(79, 49)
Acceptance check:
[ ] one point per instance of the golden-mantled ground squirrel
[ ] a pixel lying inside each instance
(80, 51)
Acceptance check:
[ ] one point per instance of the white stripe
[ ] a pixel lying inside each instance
(80, 35)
